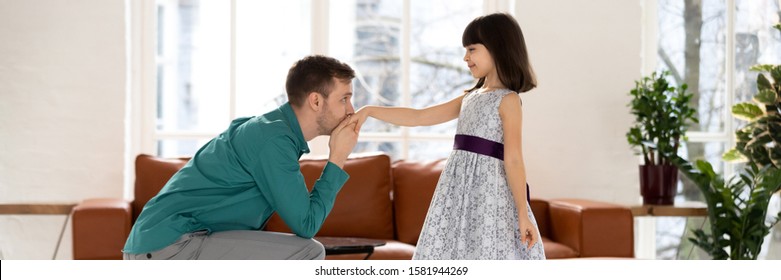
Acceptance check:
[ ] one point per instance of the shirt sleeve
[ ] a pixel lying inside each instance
(278, 175)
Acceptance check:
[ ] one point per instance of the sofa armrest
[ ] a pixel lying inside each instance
(591, 228)
(100, 228)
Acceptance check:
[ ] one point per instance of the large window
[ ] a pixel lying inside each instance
(218, 60)
(710, 45)
(404, 57)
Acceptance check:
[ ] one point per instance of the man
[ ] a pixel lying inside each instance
(216, 206)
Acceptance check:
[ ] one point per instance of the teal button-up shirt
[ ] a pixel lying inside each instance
(236, 181)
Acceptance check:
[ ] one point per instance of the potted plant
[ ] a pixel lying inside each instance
(661, 114)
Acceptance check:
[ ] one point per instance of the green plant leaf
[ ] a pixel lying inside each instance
(771, 180)
(759, 155)
(762, 67)
(775, 130)
(706, 168)
(760, 140)
(775, 73)
(775, 156)
(763, 83)
(746, 111)
(734, 155)
(767, 97)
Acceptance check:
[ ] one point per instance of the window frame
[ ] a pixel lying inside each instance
(143, 134)
(650, 35)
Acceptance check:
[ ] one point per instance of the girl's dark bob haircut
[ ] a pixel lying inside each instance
(502, 36)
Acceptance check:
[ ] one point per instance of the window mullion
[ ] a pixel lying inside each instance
(729, 121)
(185, 134)
(146, 91)
(142, 101)
(650, 36)
(702, 136)
(496, 6)
(232, 78)
(320, 13)
(406, 100)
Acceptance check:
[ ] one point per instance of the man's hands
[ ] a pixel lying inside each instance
(343, 140)
(345, 136)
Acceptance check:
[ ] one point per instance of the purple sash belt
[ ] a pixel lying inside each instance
(484, 147)
(479, 145)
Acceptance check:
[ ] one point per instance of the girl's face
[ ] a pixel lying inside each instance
(479, 60)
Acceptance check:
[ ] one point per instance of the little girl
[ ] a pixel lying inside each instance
(480, 208)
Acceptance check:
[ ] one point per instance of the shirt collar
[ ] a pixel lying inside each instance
(291, 119)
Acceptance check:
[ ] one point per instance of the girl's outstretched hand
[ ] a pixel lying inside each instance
(361, 115)
(528, 232)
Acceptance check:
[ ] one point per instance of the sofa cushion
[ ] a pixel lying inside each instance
(363, 207)
(414, 184)
(555, 250)
(152, 173)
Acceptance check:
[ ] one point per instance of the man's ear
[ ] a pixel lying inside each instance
(315, 101)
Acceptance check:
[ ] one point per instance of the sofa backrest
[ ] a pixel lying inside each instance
(414, 184)
(378, 201)
(151, 175)
(363, 207)
(541, 210)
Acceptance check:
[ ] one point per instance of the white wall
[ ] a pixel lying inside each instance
(62, 112)
(586, 55)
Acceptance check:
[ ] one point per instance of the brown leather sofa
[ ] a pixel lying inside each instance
(381, 200)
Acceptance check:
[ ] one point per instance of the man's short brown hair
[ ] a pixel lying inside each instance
(315, 73)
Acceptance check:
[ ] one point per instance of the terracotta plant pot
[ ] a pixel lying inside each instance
(658, 184)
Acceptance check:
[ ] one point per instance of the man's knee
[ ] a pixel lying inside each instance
(315, 250)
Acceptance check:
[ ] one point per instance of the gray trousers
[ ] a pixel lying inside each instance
(237, 245)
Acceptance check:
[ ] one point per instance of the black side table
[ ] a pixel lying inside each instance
(349, 245)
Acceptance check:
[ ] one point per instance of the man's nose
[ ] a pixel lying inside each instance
(350, 108)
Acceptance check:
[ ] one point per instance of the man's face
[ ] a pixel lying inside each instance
(336, 107)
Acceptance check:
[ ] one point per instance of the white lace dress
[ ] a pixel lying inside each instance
(472, 214)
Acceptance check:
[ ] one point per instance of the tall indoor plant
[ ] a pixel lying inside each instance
(661, 114)
(738, 208)
(759, 141)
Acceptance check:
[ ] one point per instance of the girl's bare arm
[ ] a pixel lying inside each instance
(511, 113)
(404, 116)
